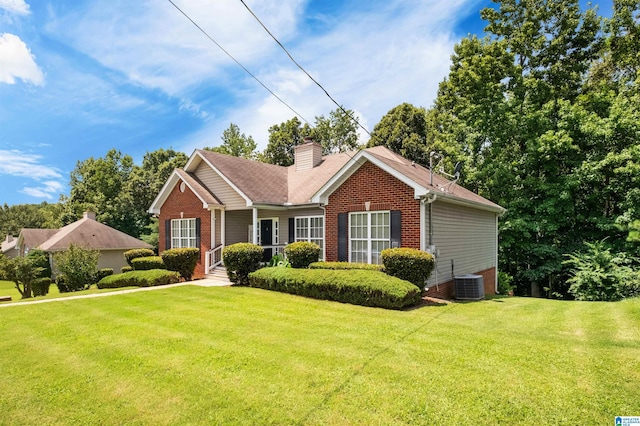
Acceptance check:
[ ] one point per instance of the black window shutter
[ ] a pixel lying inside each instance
(396, 228)
(198, 232)
(167, 234)
(343, 237)
(292, 230)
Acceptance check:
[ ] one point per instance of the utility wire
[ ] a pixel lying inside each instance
(239, 64)
(303, 70)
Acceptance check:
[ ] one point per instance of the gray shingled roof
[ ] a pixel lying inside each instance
(89, 233)
(271, 184)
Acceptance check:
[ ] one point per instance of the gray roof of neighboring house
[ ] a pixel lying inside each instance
(8, 244)
(33, 237)
(89, 233)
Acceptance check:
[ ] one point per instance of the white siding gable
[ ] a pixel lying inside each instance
(221, 189)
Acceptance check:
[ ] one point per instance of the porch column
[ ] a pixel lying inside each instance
(423, 228)
(223, 230)
(254, 236)
(213, 228)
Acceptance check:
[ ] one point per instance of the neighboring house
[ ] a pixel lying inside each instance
(8, 247)
(85, 233)
(353, 205)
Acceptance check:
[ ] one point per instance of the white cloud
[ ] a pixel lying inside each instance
(48, 190)
(16, 61)
(17, 7)
(156, 46)
(18, 163)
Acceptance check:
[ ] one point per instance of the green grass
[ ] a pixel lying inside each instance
(227, 355)
(8, 288)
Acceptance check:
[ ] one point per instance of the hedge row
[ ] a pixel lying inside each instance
(150, 278)
(346, 265)
(147, 263)
(358, 287)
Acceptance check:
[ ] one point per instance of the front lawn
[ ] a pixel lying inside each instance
(8, 288)
(233, 355)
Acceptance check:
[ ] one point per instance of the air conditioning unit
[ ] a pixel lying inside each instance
(469, 287)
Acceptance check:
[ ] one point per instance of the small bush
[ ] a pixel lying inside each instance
(40, 286)
(181, 260)
(147, 263)
(126, 269)
(279, 260)
(129, 255)
(346, 265)
(302, 253)
(240, 259)
(150, 278)
(408, 264)
(358, 287)
(600, 274)
(504, 283)
(105, 272)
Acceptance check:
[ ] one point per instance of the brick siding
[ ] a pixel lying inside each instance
(186, 205)
(384, 192)
(446, 290)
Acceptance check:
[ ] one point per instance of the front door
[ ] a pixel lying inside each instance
(266, 238)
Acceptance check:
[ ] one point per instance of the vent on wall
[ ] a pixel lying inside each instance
(469, 287)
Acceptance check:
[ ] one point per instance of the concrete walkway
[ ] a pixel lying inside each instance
(205, 282)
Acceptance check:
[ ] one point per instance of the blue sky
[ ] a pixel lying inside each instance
(79, 77)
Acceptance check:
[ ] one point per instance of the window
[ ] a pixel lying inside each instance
(311, 229)
(369, 234)
(183, 233)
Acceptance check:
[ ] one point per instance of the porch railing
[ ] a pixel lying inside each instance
(213, 258)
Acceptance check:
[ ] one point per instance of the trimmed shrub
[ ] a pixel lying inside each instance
(240, 259)
(408, 264)
(358, 287)
(105, 272)
(181, 260)
(126, 269)
(346, 265)
(302, 253)
(147, 263)
(40, 286)
(150, 278)
(129, 255)
(40, 259)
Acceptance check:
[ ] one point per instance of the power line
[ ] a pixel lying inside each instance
(303, 70)
(239, 64)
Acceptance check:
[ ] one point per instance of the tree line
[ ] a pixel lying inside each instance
(543, 112)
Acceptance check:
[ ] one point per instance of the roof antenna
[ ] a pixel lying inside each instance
(437, 156)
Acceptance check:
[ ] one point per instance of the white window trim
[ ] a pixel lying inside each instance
(176, 225)
(275, 231)
(368, 238)
(309, 239)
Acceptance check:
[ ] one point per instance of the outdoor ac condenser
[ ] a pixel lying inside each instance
(469, 287)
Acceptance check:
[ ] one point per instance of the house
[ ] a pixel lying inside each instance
(353, 205)
(8, 247)
(86, 233)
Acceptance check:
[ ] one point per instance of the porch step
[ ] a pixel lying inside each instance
(219, 272)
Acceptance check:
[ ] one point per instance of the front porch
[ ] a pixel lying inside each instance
(272, 228)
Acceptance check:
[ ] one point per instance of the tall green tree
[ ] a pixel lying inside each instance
(236, 144)
(336, 133)
(509, 104)
(14, 218)
(282, 140)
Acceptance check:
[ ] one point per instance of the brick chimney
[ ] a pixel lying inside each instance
(308, 155)
(89, 215)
